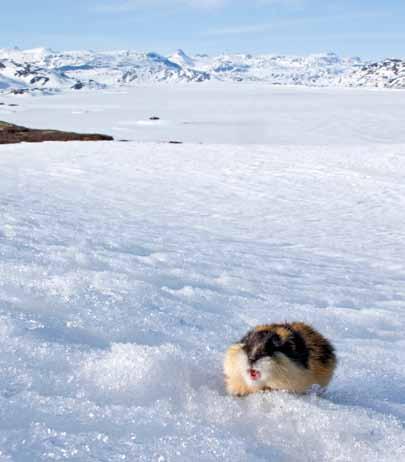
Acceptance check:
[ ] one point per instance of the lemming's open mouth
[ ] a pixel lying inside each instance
(254, 374)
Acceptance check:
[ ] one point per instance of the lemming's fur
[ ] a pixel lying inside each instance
(292, 357)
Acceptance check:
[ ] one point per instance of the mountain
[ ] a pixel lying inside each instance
(389, 73)
(312, 70)
(182, 59)
(46, 70)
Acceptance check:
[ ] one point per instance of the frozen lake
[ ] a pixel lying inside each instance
(229, 113)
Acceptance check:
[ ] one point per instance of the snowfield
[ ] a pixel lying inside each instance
(126, 269)
(222, 113)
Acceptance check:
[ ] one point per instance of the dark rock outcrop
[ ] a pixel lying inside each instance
(77, 86)
(19, 91)
(10, 133)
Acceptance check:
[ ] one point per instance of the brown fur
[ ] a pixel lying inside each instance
(286, 373)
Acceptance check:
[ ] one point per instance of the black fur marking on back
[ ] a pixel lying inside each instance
(296, 349)
(327, 353)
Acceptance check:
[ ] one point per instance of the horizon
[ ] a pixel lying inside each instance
(195, 54)
(285, 27)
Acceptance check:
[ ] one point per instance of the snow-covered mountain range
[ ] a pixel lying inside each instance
(45, 70)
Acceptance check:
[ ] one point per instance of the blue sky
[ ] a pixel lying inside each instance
(368, 28)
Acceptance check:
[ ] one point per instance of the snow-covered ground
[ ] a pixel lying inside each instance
(127, 268)
(221, 113)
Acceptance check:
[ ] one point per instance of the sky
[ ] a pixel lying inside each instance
(366, 28)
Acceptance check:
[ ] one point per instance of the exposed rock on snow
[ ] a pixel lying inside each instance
(10, 134)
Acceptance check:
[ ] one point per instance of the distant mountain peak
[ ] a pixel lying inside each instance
(182, 59)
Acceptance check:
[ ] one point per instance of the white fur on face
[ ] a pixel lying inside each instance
(263, 365)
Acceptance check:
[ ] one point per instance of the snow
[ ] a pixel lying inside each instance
(51, 71)
(222, 113)
(180, 58)
(127, 268)
(6, 83)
